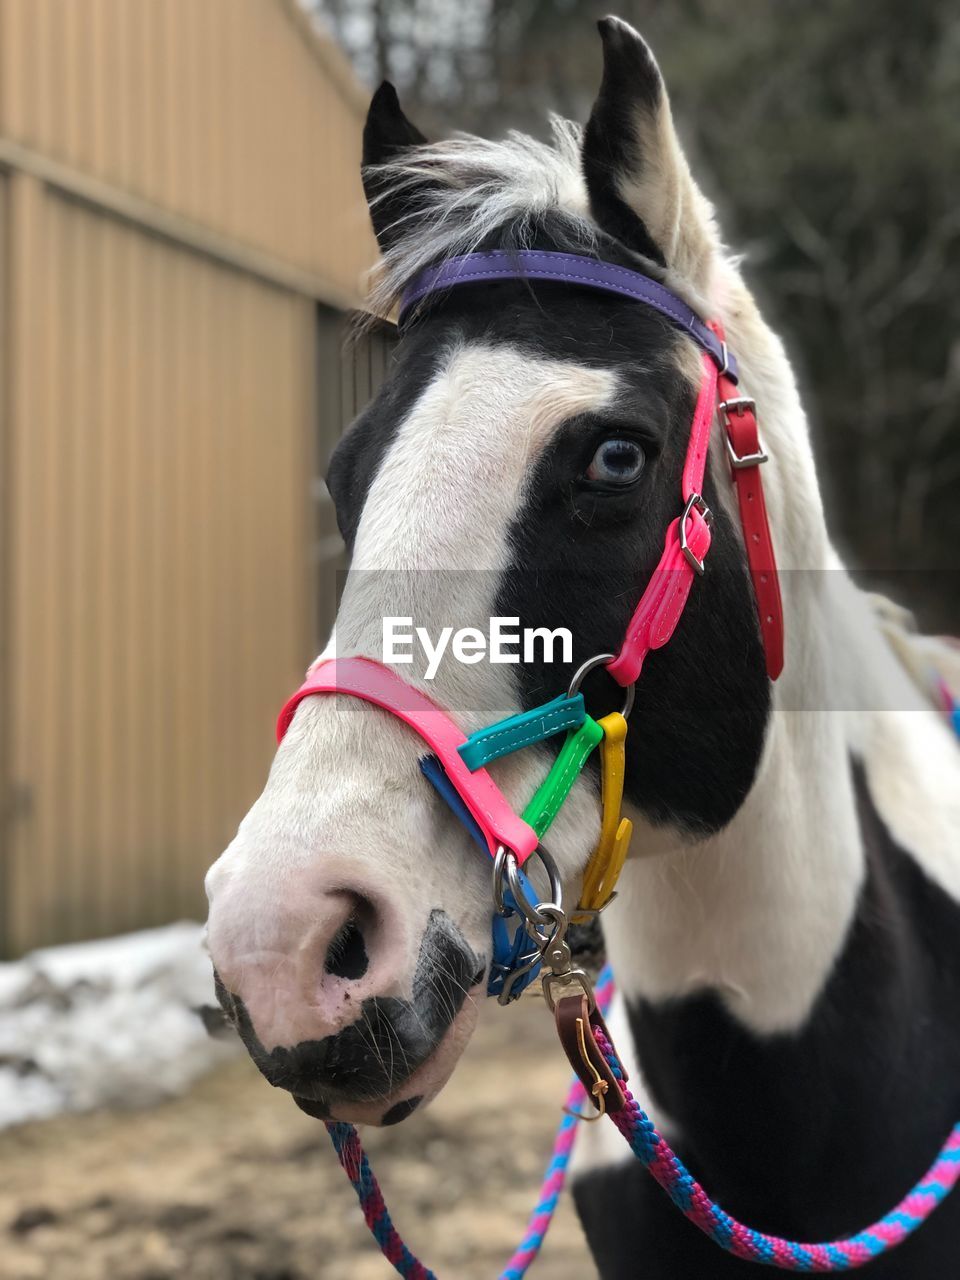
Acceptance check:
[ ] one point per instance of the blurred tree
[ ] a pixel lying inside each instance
(830, 138)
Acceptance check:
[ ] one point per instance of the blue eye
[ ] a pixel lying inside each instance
(617, 462)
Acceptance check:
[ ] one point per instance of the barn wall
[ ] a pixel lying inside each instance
(350, 369)
(5, 437)
(159, 573)
(228, 113)
(181, 231)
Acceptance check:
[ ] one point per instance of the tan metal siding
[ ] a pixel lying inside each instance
(350, 369)
(6, 406)
(227, 112)
(158, 561)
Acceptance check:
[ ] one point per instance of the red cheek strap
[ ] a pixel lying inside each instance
(688, 538)
(738, 419)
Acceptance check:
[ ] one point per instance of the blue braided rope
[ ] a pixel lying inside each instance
(353, 1159)
(679, 1184)
(550, 1190)
(756, 1246)
(356, 1165)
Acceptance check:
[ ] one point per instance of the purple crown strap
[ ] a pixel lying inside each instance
(567, 268)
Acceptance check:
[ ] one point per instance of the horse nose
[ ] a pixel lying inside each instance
(359, 1062)
(297, 969)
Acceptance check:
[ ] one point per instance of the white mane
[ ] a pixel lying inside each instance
(469, 188)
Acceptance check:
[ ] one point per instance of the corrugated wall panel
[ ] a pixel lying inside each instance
(224, 111)
(350, 369)
(158, 561)
(6, 458)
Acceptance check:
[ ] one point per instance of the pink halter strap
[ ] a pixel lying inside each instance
(364, 678)
(685, 547)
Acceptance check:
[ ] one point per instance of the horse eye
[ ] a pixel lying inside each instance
(617, 462)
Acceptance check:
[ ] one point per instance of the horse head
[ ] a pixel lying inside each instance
(522, 460)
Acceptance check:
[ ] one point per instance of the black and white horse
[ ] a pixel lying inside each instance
(786, 940)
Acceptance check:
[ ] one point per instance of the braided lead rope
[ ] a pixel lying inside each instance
(550, 1190)
(353, 1159)
(789, 1255)
(556, 1174)
(675, 1179)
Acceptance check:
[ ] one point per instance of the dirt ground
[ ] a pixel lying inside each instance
(232, 1182)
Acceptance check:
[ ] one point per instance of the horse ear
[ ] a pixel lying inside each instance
(637, 177)
(386, 134)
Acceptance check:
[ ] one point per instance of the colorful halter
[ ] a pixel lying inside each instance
(571, 269)
(655, 619)
(455, 765)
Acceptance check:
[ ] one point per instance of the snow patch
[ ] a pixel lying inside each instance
(105, 1023)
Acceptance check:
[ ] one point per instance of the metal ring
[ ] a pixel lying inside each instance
(506, 861)
(530, 910)
(602, 659)
(499, 860)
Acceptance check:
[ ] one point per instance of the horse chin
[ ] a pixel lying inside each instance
(420, 1088)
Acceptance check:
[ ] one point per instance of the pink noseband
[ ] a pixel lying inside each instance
(363, 678)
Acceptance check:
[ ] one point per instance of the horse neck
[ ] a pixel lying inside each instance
(760, 911)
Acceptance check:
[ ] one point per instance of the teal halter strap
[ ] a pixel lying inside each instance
(522, 730)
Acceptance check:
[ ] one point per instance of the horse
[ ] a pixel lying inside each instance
(786, 935)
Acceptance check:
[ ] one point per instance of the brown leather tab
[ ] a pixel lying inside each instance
(575, 1024)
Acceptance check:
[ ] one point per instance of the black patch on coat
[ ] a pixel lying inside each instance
(817, 1134)
(373, 1056)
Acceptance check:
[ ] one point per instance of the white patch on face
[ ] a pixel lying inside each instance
(346, 812)
(453, 479)
(432, 541)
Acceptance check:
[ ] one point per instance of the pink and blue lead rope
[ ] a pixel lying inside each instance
(675, 1179)
(754, 1246)
(350, 1153)
(353, 1158)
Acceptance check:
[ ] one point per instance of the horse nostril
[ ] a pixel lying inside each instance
(347, 955)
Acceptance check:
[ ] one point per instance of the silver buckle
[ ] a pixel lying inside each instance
(747, 459)
(737, 404)
(695, 500)
(558, 967)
